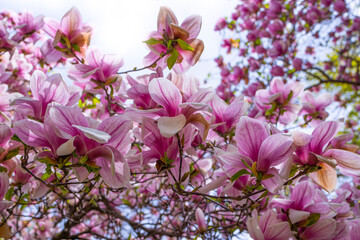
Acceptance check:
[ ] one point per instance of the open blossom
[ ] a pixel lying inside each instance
(315, 106)
(27, 24)
(70, 26)
(176, 39)
(98, 66)
(4, 186)
(283, 96)
(267, 226)
(314, 149)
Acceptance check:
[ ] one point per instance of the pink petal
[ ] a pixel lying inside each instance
(250, 134)
(192, 24)
(321, 230)
(94, 134)
(36, 81)
(71, 22)
(64, 118)
(165, 13)
(51, 26)
(348, 161)
(31, 133)
(297, 216)
(322, 135)
(118, 128)
(4, 184)
(273, 151)
(274, 183)
(166, 94)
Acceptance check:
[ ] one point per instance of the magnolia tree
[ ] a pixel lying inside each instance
(111, 156)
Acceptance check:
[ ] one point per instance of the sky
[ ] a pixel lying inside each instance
(121, 26)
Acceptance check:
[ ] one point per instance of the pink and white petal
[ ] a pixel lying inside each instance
(302, 195)
(74, 95)
(165, 13)
(348, 161)
(278, 231)
(31, 133)
(169, 126)
(250, 134)
(114, 169)
(5, 205)
(192, 24)
(71, 22)
(4, 184)
(301, 139)
(118, 128)
(274, 183)
(50, 54)
(322, 135)
(54, 89)
(66, 148)
(262, 98)
(321, 230)
(323, 100)
(298, 215)
(253, 227)
(36, 81)
(94, 134)
(64, 118)
(51, 26)
(274, 150)
(136, 115)
(166, 94)
(276, 85)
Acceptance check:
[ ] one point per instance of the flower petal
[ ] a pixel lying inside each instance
(192, 24)
(326, 177)
(94, 134)
(249, 135)
(166, 94)
(169, 126)
(322, 135)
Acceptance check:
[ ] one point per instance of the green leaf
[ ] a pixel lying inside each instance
(267, 176)
(172, 59)
(239, 174)
(3, 169)
(12, 154)
(9, 194)
(184, 45)
(152, 41)
(84, 159)
(76, 48)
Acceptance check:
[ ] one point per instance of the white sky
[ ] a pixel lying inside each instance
(121, 26)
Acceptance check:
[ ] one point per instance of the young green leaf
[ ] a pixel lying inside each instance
(239, 174)
(152, 41)
(172, 59)
(184, 45)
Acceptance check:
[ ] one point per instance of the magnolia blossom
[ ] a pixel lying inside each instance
(71, 27)
(267, 226)
(4, 186)
(99, 67)
(169, 32)
(314, 150)
(283, 96)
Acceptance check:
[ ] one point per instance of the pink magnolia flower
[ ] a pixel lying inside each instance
(175, 114)
(70, 26)
(28, 25)
(304, 200)
(283, 96)
(255, 144)
(170, 33)
(279, 48)
(200, 220)
(227, 116)
(98, 66)
(4, 186)
(315, 106)
(45, 90)
(66, 130)
(314, 150)
(267, 226)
